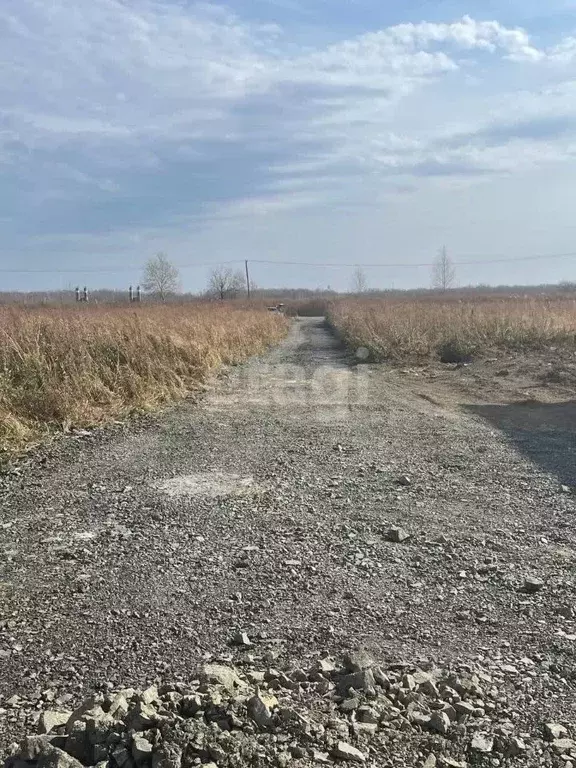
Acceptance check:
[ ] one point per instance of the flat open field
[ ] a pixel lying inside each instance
(305, 507)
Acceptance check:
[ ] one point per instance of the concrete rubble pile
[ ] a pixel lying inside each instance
(350, 711)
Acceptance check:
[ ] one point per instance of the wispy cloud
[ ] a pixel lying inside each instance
(125, 115)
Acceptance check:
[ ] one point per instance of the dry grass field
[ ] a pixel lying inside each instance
(420, 329)
(64, 367)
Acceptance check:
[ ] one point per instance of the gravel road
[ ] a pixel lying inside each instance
(266, 508)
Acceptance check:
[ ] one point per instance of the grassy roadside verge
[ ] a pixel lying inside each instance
(425, 329)
(65, 367)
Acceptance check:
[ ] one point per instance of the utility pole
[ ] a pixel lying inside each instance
(247, 278)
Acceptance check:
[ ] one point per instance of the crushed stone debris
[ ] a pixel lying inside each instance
(239, 716)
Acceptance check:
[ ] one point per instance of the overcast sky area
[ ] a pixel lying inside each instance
(341, 131)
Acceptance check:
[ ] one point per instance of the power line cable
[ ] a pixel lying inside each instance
(127, 268)
(498, 260)
(106, 270)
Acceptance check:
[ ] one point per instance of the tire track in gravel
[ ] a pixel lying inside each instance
(136, 553)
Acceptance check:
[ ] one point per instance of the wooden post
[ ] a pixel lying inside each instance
(247, 279)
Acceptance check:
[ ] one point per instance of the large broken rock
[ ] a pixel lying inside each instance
(554, 731)
(77, 743)
(52, 719)
(561, 746)
(482, 742)
(359, 681)
(167, 756)
(32, 746)
(150, 695)
(218, 674)
(119, 706)
(141, 750)
(88, 709)
(52, 757)
(348, 753)
(259, 709)
(142, 717)
(439, 721)
(357, 661)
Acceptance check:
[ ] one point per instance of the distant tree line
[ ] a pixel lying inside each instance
(161, 281)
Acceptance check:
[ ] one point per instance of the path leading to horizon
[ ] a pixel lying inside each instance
(266, 508)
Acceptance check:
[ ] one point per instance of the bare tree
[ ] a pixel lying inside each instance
(359, 282)
(225, 283)
(443, 272)
(160, 276)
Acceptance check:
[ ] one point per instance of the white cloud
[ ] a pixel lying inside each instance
(370, 130)
(405, 46)
(114, 87)
(111, 67)
(564, 52)
(154, 68)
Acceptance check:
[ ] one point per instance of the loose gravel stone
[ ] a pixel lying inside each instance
(397, 534)
(532, 584)
(241, 639)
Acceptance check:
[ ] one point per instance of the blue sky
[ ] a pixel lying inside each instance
(341, 131)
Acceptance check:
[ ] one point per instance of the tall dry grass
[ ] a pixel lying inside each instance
(83, 366)
(416, 329)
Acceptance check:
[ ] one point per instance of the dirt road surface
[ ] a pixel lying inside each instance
(266, 508)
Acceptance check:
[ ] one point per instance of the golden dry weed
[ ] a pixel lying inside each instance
(63, 367)
(420, 328)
